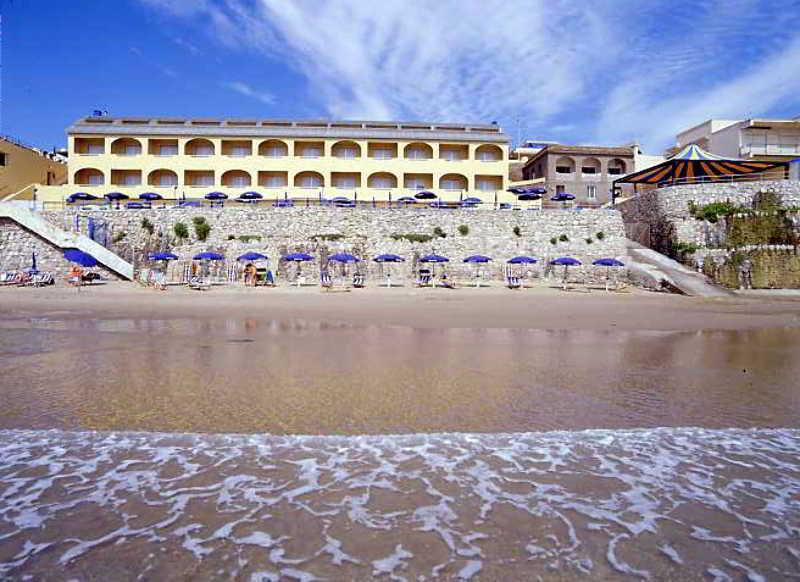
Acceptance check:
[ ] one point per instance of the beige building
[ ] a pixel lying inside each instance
(277, 158)
(587, 172)
(23, 167)
(773, 140)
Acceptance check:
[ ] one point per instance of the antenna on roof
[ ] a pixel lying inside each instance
(100, 113)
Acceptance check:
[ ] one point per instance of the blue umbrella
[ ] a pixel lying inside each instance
(388, 258)
(520, 190)
(608, 263)
(425, 195)
(521, 260)
(150, 196)
(209, 256)
(251, 256)
(406, 200)
(297, 258)
(189, 203)
(471, 201)
(79, 257)
(163, 257)
(563, 197)
(567, 262)
(249, 197)
(216, 196)
(434, 259)
(84, 196)
(344, 258)
(477, 259)
(283, 204)
(528, 197)
(116, 196)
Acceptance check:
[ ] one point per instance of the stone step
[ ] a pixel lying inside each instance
(66, 240)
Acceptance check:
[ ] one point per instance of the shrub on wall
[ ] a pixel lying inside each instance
(463, 230)
(438, 232)
(180, 231)
(412, 237)
(148, 226)
(517, 231)
(563, 238)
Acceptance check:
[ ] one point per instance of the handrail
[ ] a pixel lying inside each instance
(18, 192)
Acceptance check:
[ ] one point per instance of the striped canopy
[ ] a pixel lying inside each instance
(693, 162)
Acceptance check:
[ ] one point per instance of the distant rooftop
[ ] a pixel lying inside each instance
(103, 125)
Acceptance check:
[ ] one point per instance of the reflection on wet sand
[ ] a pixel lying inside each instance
(665, 504)
(300, 377)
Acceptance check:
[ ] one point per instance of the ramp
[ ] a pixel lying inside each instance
(671, 273)
(66, 240)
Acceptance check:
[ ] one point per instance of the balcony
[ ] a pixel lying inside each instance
(770, 150)
(89, 146)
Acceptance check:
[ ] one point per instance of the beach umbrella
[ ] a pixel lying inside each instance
(209, 256)
(163, 257)
(249, 197)
(216, 196)
(470, 202)
(406, 200)
(608, 263)
(117, 196)
(297, 258)
(522, 260)
(388, 258)
(563, 197)
(425, 195)
(344, 258)
(477, 260)
(82, 196)
(520, 190)
(529, 197)
(81, 258)
(150, 196)
(434, 259)
(251, 256)
(567, 262)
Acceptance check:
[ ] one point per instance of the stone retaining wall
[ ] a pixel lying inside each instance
(366, 233)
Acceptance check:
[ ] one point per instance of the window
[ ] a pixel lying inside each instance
(347, 153)
(131, 149)
(131, 180)
(2, 159)
(451, 184)
(238, 181)
(274, 182)
(94, 149)
(346, 182)
(417, 154)
(310, 182)
(452, 155)
(383, 154)
(563, 170)
(239, 151)
(95, 179)
(416, 184)
(167, 180)
(275, 151)
(488, 155)
(311, 152)
(485, 185)
(589, 170)
(591, 192)
(560, 189)
(168, 150)
(203, 150)
(203, 180)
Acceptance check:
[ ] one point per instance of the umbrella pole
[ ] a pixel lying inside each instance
(564, 282)
(608, 276)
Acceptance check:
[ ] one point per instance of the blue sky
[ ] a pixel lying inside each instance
(608, 72)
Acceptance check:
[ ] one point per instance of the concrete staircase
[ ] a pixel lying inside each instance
(66, 240)
(659, 270)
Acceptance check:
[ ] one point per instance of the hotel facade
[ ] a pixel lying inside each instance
(293, 159)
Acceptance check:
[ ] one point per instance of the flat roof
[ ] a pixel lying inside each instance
(414, 130)
(582, 150)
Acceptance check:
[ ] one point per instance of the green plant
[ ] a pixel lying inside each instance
(202, 230)
(327, 237)
(180, 231)
(246, 238)
(553, 240)
(198, 220)
(118, 236)
(148, 226)
(713, 211)
(563, 238)
(600, 235)
(517, 231)
(683, 248)
(438, 232)
(589, 241)
(230, 237)
(412, 237)
(463, 230)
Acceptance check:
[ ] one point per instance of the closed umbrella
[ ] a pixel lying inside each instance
(567, 262)
(425, 195)
(608, 263)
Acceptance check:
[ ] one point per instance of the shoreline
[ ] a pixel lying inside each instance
(488, 307)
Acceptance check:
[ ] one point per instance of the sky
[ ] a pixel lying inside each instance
(608, 72)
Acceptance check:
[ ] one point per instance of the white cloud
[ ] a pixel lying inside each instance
(244, 89)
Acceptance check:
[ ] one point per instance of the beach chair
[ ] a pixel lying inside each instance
(358, 281)
(198, 284)
(513, 282)
(325, 281)
(40, 280)
(424, 280)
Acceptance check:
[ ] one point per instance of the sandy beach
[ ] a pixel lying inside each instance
(495, 307)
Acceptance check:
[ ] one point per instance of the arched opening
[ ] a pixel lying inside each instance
(590, 166)
(236, 179)
(565, 165)
(418, 151)
(346, 150)
(126, 146)
(453, 182)
(617, 167)
(164, 178)
(89, 177)
(488, 153)
(309, 180)
(382, 181)
(273, 148)
(199, 147)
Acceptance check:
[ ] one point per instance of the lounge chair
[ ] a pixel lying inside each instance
(325, 281)
(358, 281)
(424, 280)
(10, 277)
(198, 284)
(513, 282)
(40, 280)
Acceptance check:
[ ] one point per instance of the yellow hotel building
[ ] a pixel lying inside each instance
(284, 158)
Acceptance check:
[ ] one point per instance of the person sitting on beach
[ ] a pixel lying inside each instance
(444, 282)
(75, 276)
(250, 275)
